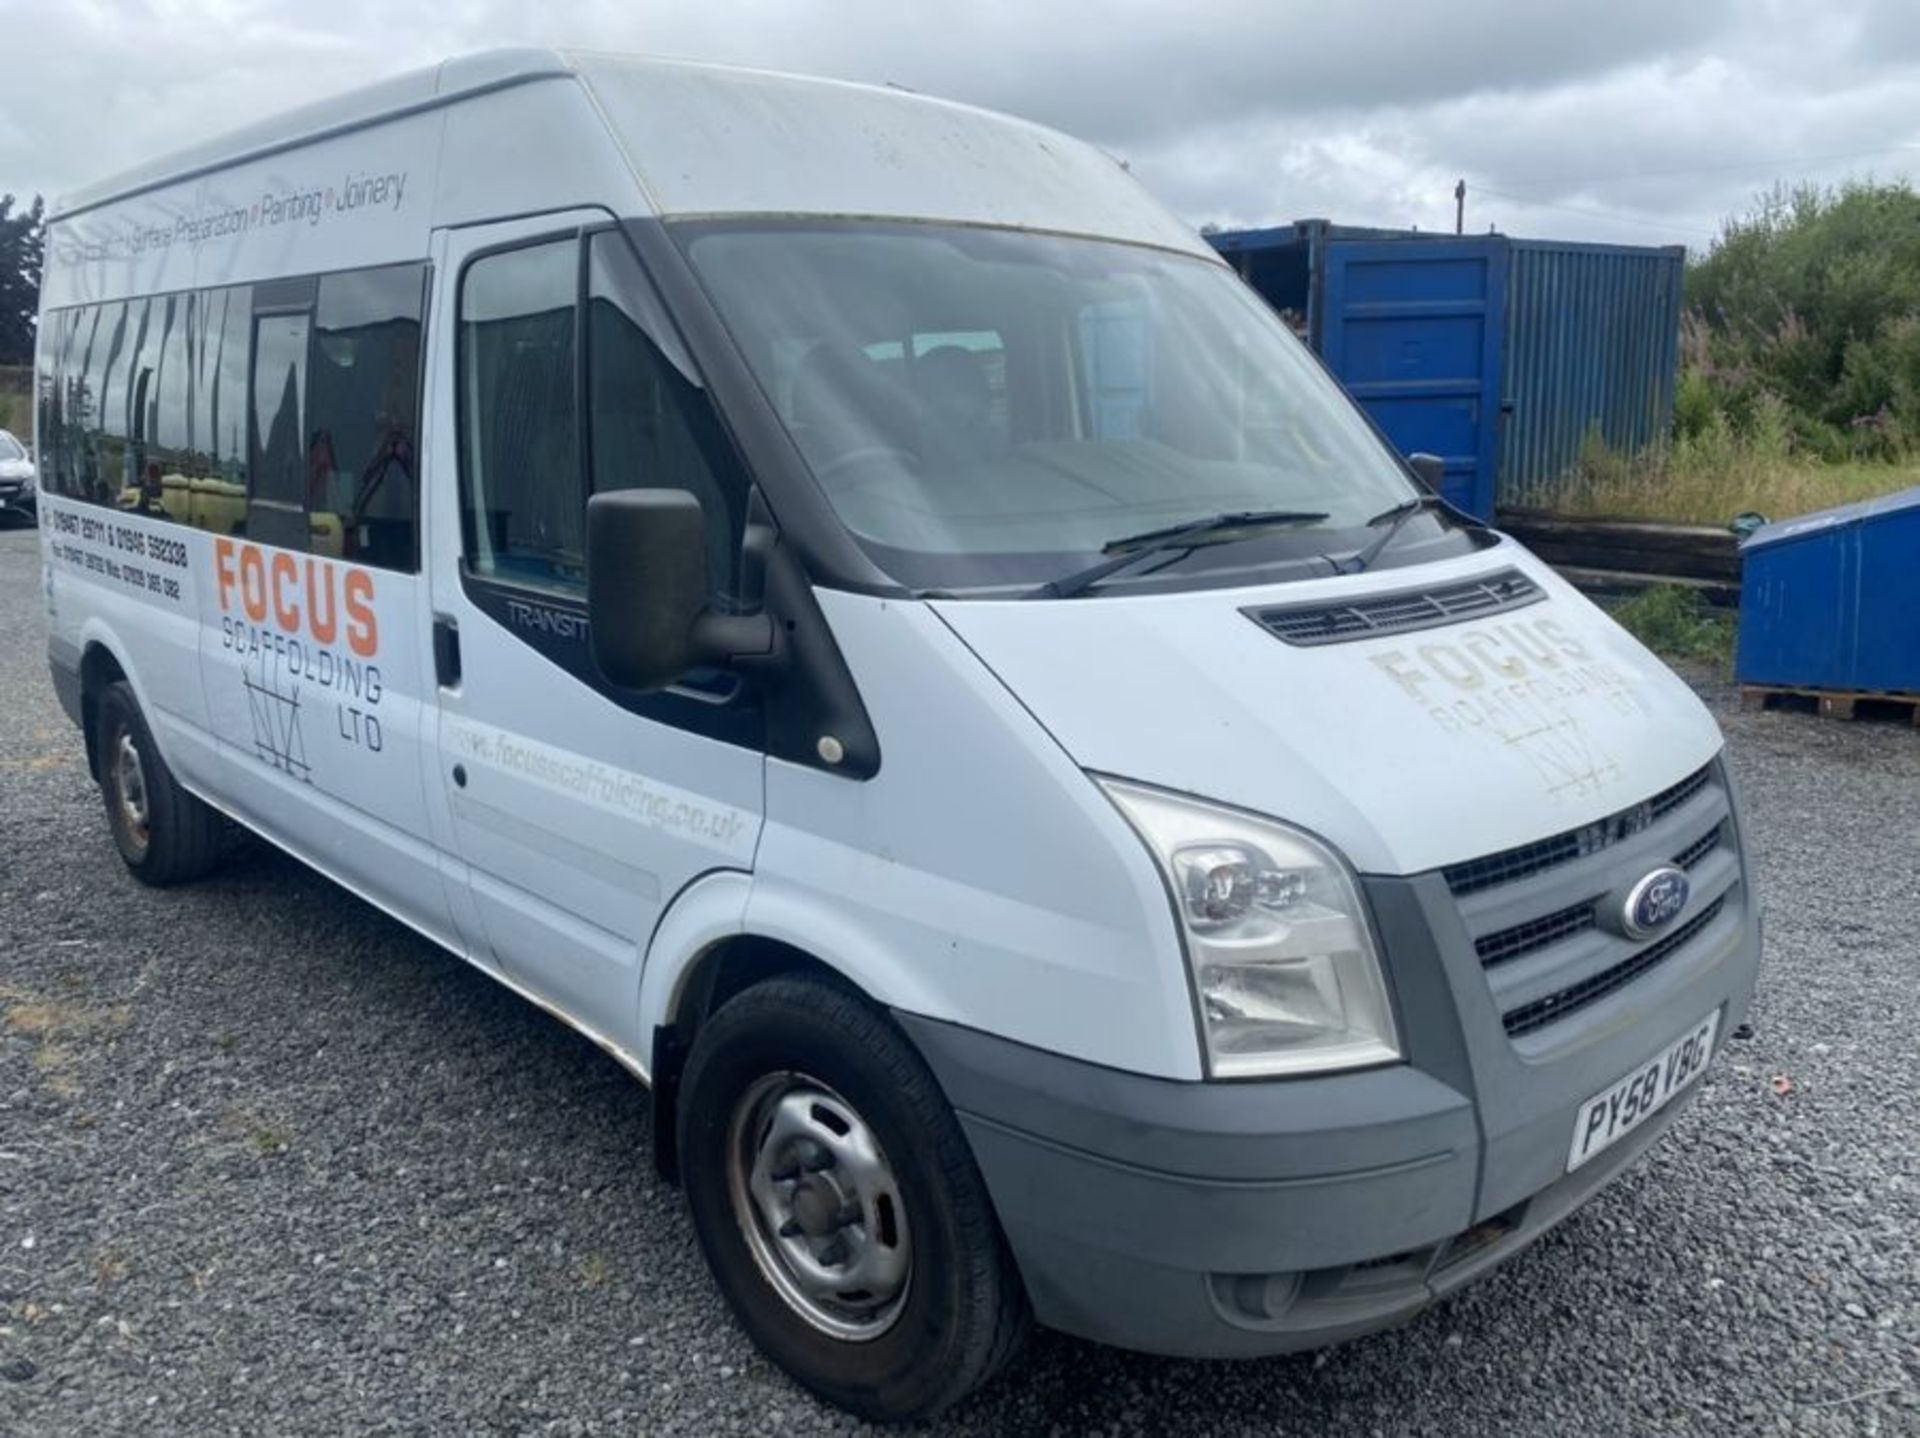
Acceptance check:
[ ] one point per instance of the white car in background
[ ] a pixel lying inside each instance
(19, 494)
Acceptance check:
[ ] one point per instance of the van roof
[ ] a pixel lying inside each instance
(703, 139)
(389, 99)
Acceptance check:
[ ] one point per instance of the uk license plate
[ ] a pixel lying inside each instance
(1617, 1111)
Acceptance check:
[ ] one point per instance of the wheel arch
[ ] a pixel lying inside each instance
(101, 665)
(704, 952)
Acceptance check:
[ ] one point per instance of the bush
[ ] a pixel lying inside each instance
(1676, 623)
(1811, 303)
(1695, 405)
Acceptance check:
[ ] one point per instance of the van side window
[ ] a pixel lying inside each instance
(50, 417)
(169, 457)
(522, 505)
(141, 489)
(118, 410)
(81, 401)
(60, 447)
(277, 499)
(223, 338)
(102, 450)
(169, 405)
(649, 423)
(363, 397)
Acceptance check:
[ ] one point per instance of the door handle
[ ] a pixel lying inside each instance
(446, 652)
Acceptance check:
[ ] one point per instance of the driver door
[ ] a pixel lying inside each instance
(576, 810)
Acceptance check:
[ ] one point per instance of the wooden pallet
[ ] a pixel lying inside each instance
(1833, 703)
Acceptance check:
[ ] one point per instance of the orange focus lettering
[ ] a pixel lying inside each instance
(363, 630)
(286, 575)
(223, 570)
(253, 584)
(323, 617)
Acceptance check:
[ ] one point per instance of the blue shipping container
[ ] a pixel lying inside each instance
(1499, 355)
(1832, 600)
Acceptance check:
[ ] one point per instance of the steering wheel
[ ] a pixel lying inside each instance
(865, 454)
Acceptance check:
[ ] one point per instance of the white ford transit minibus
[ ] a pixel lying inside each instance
(843, 599)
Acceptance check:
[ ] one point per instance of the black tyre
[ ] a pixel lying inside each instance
(838, 1203)
(165, 834)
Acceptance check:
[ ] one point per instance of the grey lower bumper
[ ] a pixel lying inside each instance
(1233, 1220)
(1187, 1218)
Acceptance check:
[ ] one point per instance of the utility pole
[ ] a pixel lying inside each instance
(1460, 208)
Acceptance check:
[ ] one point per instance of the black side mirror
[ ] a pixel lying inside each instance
(647, 592)
(646, 584)
(1429, 469)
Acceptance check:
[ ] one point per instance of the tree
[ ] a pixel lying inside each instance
(1811, 304)
(22, 246)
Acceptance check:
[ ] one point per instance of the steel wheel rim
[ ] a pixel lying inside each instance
(819, 1206)
(130, 788)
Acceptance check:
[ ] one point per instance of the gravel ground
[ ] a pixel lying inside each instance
(269, 1163)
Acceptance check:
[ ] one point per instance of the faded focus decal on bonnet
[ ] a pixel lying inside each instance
(1521, 684)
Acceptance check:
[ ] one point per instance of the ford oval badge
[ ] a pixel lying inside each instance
(1654, 902)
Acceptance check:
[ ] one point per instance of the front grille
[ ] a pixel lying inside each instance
(1543, 1011)
(1690, 857)
(1399, 612)
(1541, 916)
(1543, 854)
(1534, 934)
(1667, 800)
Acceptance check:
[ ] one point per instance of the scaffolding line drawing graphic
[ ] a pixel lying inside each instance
(277, 738)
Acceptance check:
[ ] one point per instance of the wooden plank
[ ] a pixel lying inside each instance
(1683, 551)
(1635, 533)
(1626, 581)
(1639, 561)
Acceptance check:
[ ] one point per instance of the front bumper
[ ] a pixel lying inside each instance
(1246, 1218)
(18, 499)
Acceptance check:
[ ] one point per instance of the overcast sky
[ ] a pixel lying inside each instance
(1640, 121)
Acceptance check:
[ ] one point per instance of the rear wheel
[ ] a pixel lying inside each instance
(838, 1204)
(165, 834)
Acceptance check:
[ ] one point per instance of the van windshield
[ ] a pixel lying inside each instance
(991, 407)
(10, 447)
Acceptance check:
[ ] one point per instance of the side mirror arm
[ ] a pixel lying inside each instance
(735, 641)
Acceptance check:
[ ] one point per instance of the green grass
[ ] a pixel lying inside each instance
(1676, 623)
(1711, 477)
(1692, 494)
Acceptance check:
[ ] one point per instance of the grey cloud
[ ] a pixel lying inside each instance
(1128, 71)
(1240, 111)
(1890, 31)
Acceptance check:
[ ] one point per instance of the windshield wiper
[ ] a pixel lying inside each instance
(1131, 549)
(1393, 519)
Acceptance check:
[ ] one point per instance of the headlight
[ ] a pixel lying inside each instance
(1282, 957)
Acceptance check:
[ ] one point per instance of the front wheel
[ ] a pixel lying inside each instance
(839, 1206)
